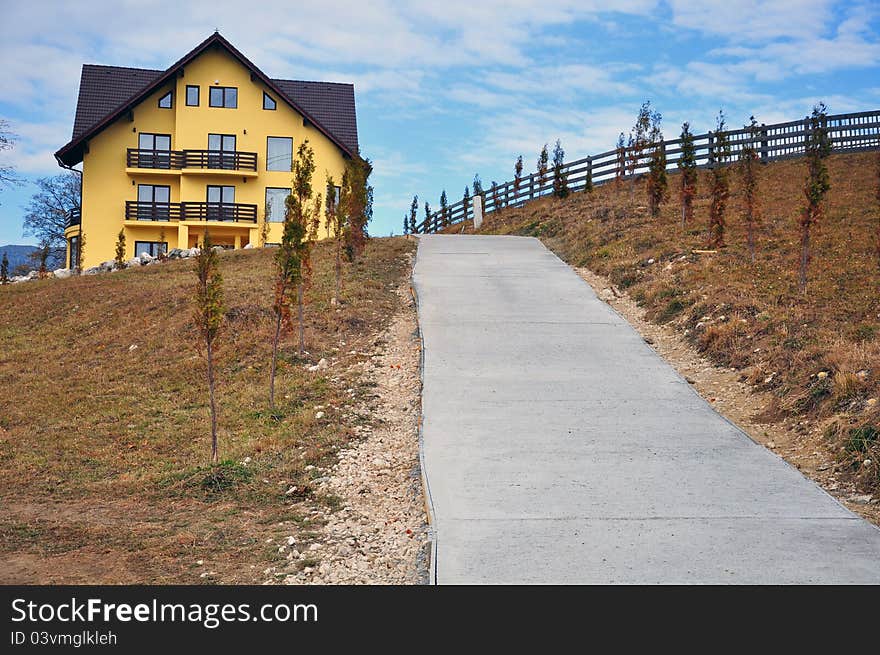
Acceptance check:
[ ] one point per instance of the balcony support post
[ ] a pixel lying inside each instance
(182, 236)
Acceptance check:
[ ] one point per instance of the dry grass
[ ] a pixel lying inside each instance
(104, 428)
(744, 315)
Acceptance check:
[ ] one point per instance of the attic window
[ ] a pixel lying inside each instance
(268, 102)
(165, 101)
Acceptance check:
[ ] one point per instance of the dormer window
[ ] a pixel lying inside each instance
(268, 101)
(165, 101)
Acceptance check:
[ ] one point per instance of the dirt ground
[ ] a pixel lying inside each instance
(737, 401)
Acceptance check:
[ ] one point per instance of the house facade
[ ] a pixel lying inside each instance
(207, 143)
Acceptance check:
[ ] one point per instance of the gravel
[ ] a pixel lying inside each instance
(379, 533)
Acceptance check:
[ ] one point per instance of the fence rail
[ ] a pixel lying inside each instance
(847, 133)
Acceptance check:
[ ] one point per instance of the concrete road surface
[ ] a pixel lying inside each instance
(560, 448)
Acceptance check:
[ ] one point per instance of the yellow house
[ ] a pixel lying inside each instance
(207, 143)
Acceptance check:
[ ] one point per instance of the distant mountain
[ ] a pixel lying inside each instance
(20, 255)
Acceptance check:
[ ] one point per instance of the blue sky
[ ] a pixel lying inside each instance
(453, 88)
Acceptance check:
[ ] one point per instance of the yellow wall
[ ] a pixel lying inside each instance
(107, 185)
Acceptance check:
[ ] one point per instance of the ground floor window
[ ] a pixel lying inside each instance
(276, 198)
(152, 248)
(73, 252)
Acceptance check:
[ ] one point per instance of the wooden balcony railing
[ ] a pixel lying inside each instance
(190, 211)
(163, 159)
(204, 159)
(153, 211)
(216, 211)
(223, 160)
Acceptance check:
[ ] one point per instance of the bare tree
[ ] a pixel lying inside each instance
(48, 210)
(7, 142)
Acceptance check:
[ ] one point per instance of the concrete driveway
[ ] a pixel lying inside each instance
(560, 448)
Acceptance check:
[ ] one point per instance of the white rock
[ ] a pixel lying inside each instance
(291, 541)
(247, 246)
(132, 347)
(62, 273)
(319, 415)
(134, 261)
(322, 364)
(822, 375)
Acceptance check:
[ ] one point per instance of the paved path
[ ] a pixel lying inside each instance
(560, 448)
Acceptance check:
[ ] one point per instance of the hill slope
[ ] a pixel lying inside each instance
(817, 357)
(104, 430)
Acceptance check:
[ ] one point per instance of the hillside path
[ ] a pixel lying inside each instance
(559, 448)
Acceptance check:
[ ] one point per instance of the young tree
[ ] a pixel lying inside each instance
(620, 169)
(687, 164)
(427, 215)
(336, 225)
(478, 188)
(4, 269)
(406, 223)
(465, 202)
(413, 213)
(657, 183)
(302, 209)
(119, 260)
(543, 163)
(560, 178)
(80, 252)
(48, 210)
(517, 177)
(749, 169)
(263, 234)
(638, 142)
(719, 153)
(444, 209)
(208, 319)
(356, 203)
(289, 263)
(163, 247)
(818, 147)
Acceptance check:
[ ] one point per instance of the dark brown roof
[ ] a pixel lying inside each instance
(103, 88)
(331, 103)
(106, 92)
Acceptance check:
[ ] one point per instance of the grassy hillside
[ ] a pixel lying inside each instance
(104, 428)
(818, 354)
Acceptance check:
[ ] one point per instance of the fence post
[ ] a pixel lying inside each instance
(589, 181)
(711, 160)
(478, 212)
(764, 154)
(531, 186)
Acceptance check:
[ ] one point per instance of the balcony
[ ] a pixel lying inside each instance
(192, 160)
(190, 211)
(74, 217)
(153, 211)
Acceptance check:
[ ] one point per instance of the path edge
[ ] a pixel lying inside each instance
(426, 487)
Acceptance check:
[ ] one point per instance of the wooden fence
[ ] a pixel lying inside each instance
(847, 132)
